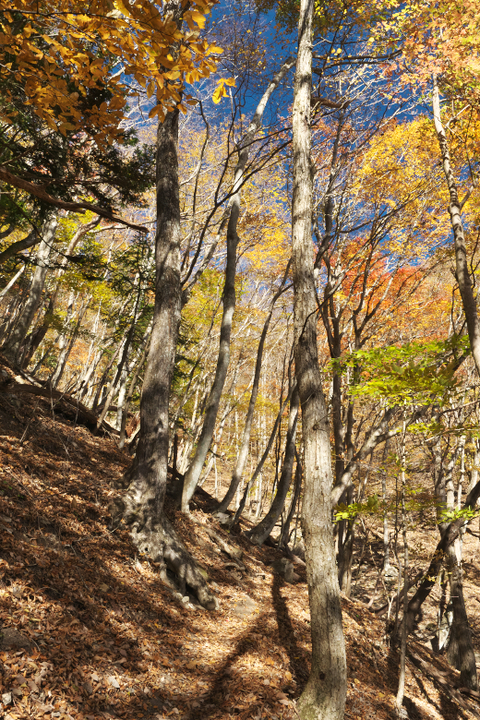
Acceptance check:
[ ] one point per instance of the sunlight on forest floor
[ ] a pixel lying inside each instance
(91, 632)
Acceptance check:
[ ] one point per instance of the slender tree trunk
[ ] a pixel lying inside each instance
(460, 651)
(261, 463)
(63, 342)
(71, 343)
(455, 210)
(260, 532)
(403, 640)
(122, 413)
(14, 344)
(247, 430)
(324, 695)
(452, 532)
(285, 535)
(142, 505)
(12, 281)
(193, 473)
(101, 389)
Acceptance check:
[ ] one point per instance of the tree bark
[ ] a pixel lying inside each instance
(192, 475)
(451, 533)
(285, 535)
(460, 651)
(324, 695)
(462, 273)
(263, 459)
(142, 505)
(260, 532)
(14, 345)
(247, 430)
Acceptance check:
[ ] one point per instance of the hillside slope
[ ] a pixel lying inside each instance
(89, 631)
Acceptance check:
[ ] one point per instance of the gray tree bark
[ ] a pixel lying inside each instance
(193, 473)
(14, 345)
(324, 695)
(462, 273)
(260, 532)
(460, 650)
(451, 533)
(142, 504)
(247, 429)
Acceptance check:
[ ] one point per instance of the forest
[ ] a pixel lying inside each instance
(239, 245)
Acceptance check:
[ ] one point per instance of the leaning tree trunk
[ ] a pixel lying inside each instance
(460, 651)
(14, 346)
(324, 695)
(142, 505)
(285, 534)
(193, 473)
(260, 532)
(247, 429)
(452, 532)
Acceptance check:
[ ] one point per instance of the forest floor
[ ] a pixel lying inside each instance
(89, 631)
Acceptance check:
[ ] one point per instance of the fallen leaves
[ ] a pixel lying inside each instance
(103, 637)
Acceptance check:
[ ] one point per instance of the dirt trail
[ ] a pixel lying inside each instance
(89, 630)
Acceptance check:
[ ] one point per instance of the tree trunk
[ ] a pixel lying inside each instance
(247, 430)
(142, 505)
(324, 695)
(260, 532)
(455, 209)
(12, 281)
(14, 345)
(460, 651)
(193, 473)
(261, 463)
(285, 535)
(451, 533)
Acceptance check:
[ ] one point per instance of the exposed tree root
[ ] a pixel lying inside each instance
(156, 537)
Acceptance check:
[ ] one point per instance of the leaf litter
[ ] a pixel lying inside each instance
(90, 631)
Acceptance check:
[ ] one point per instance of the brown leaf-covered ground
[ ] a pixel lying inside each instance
(90, 631)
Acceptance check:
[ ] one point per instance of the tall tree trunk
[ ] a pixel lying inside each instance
(324, 695)
(462, 273)
(63, 342)
(261, 462)
(460, 651)
(193, 473)
(285, 535)
(12, 281)
(142, 505)
(452, 532)
(247, 429)
(14, 345)
(63, 360)
(260, 532)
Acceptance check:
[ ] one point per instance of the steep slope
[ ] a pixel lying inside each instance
(89, 631)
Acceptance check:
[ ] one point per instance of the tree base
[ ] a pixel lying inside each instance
(156, 537)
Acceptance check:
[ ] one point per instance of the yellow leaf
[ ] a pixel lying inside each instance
(121, 7)
(198, 18)
(172, 75)
(219, 92)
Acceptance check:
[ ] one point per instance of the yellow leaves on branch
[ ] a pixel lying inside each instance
(221, 90)
(56, 54)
